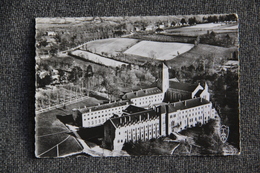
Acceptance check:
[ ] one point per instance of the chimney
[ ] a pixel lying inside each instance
(140, 117)
(185, 103)
(148, 116)
(120, 120)
(201, 100)
(129, 118)
(89, 110)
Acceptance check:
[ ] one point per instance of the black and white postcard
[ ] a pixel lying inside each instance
(137, 85)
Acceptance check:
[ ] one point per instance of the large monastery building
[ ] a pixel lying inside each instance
(161, 120)
(149, 113)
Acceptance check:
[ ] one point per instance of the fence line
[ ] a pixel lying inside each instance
(60, 105)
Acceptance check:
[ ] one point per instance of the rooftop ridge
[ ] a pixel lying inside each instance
(104, 106)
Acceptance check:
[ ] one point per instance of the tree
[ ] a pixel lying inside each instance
(192, 21)
(46, 80)
(173, 23)
(89, 72)
(149, 78)
(183, 21)
(215, 19)
(75, 74)
(129, 79)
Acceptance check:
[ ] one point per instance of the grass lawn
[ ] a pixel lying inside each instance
(50, 131)
(110, 46)
(158, 50)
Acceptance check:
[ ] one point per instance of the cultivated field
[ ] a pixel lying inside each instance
(201, 51)
(159, 50)
(97, 58)
(111, 46)
(201, 29)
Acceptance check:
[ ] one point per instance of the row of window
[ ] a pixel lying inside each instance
(143, 136)
(106, 110)
(146, 98)
(104, 115)
(196, 113)
(144, 127)
(96, 122)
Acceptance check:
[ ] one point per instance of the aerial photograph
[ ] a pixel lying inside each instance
(137, 85)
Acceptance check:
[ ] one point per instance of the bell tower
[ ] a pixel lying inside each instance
(163, 80)
(165, 77)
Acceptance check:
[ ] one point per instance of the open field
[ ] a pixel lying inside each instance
(200, 51)
(111, 46)
(158, 50)
(50, 131)
(201, 29)
(97, 58)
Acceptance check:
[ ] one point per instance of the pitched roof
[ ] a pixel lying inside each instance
(134, 118)
(182, 86)
(185, 104)
(198, 93)
(104, 106)
(142, 92)
(133, 109)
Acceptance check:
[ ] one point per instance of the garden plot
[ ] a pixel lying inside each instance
(112, 46)
(159, 50)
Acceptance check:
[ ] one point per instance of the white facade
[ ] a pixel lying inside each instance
(99, 117)
(148, 100)
(164, 124)
(143, 130)
(205, 93)
(188, 118)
